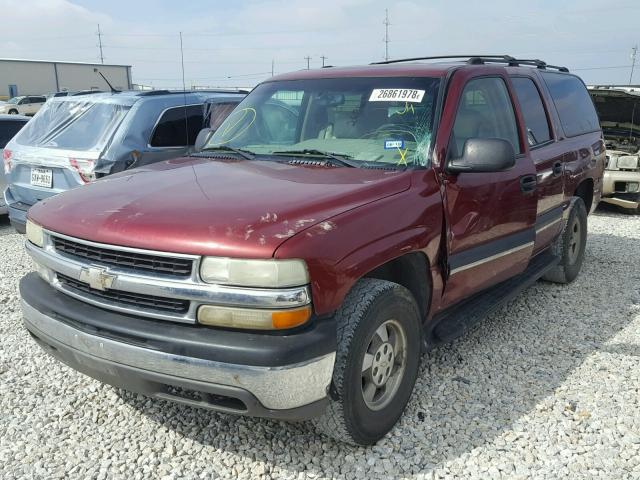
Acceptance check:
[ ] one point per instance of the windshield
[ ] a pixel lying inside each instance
(73, 125)
(14, 100)
(370, 121)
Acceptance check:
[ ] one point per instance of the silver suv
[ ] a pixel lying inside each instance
(75, 140)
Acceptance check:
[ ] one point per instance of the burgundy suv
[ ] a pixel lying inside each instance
(339, 223)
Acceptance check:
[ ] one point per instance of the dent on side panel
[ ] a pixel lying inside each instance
(344, 248)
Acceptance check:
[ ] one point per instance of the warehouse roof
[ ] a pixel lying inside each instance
(63, 62)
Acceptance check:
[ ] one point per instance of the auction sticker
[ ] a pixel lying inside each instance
(396, 95)
(390, 144)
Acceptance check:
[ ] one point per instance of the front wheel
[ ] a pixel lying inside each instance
(13, 111)
(377, 360)
(570, 245)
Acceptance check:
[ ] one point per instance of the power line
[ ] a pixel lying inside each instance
(100, 45)
(386, 33)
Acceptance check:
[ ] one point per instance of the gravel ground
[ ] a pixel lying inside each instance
(548, 387)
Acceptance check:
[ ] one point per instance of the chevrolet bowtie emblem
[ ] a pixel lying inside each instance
(97, 278)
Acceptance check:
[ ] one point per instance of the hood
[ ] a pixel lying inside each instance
(619, 113)
(213, 207)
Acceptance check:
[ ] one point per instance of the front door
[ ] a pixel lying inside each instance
(490, 216)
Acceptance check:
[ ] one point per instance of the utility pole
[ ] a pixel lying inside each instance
(634, 52)
(100, 44)
(308, 59)
(323, 59)
(386, 33)
(272, 66)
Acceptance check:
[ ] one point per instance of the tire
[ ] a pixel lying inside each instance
(371, 308)
(13, 111)
(570, 245)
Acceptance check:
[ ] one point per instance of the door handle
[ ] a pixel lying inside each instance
(528, 183)
(557, 169)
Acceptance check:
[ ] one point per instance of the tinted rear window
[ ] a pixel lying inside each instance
(173, 130)
(8, 129)
(573, 103)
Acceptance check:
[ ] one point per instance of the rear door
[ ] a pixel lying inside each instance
(547, 155)
(490, 216)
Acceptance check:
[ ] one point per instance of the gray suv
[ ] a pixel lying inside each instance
(75, 140)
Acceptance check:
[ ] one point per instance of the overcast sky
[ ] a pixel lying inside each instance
(234, 42)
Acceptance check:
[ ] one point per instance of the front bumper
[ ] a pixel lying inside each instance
(616, 196)
(103, 346)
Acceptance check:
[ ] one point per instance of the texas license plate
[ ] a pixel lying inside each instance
(41, 177)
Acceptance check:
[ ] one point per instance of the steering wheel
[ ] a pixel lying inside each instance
(395, 130)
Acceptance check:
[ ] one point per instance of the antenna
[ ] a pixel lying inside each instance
(113, 90)
(184, 96)
(634, 52)
(307, 58)
(100, 45)
(386, 34)
(323, 59)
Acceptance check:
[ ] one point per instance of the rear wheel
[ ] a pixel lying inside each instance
(570, 245)
(13, 111)
(377, 360)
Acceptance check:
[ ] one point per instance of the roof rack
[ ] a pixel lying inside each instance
(150, 93)
(482, 59)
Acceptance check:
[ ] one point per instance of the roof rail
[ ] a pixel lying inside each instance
(482, 59)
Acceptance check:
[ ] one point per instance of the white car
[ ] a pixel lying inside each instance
(25, 105)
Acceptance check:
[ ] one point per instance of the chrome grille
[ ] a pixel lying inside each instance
(136, 300)
(158, 264)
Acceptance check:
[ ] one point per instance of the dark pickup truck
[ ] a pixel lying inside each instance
(339, 223)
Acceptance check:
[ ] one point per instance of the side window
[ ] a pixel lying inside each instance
(39, 99)
(573, 103)
(8, 129)
(24, 101)
(173, 131)
(485, 111)
(535, 117)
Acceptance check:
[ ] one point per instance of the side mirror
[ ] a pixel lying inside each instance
(201, 140)
(484, 155)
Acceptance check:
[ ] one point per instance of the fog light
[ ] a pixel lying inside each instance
(35, 233)
(633, 187)
(253, 318)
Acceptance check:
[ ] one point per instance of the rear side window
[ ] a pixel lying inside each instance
(535, 117)
(173, 130)
(573, 103)
(8, 129)
(485, 111)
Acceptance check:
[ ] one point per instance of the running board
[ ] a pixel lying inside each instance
(458, 319)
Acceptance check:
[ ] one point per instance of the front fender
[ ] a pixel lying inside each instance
(341, 250)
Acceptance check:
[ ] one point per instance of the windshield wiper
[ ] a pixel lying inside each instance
(340, 160)
(246, 154)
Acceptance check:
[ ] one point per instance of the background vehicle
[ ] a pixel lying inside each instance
(76, 139)
(9, 126)
(337, 224)
(26, 105)
(619, 111)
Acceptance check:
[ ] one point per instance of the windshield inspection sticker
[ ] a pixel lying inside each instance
(391, 144)
(396, 95)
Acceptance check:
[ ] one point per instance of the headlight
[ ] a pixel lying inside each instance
(35, 234)
(628, 161)
(253, 319)
(254, 273)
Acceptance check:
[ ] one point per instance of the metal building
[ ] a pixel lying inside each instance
(40, 77)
